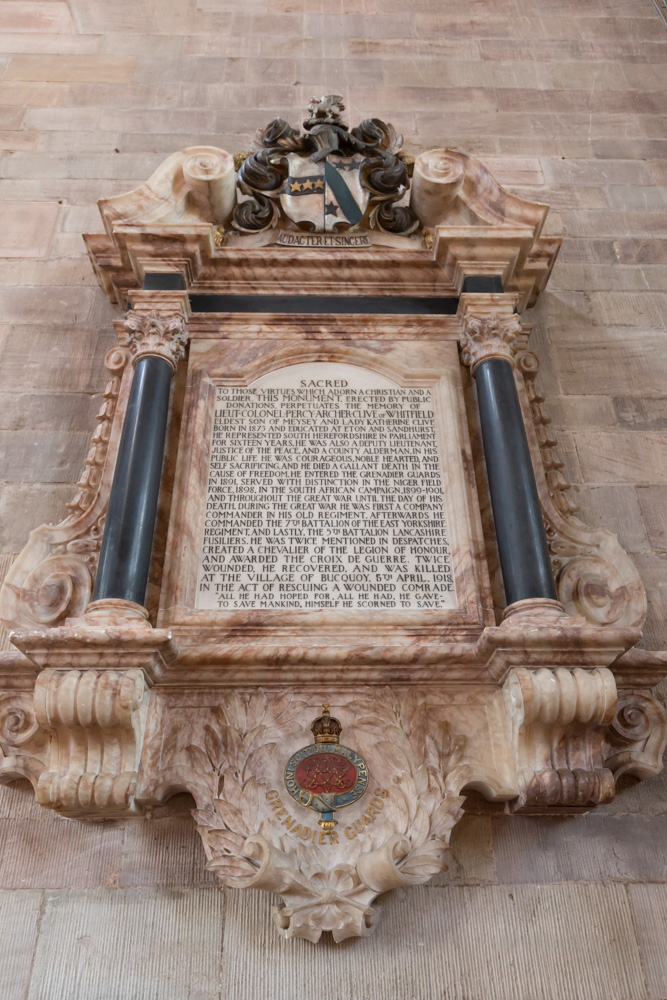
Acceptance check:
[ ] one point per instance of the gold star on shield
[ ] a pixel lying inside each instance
(296, 186)
(307, 186)
(319, 185)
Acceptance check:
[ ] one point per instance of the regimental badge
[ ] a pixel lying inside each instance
(326, 776)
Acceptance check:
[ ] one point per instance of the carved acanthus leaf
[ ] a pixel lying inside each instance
(330, 888)
(485, 337)
(155, 334)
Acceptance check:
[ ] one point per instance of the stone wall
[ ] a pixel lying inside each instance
(562, 100)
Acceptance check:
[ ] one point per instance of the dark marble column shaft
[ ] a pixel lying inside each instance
(130, 524)
(522, 543)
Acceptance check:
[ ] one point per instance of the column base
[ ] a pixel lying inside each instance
(538, 611)
(115, 611)
(112, 635)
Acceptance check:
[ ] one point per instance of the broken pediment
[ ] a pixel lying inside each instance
(444, 209)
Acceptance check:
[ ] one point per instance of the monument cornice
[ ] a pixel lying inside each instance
(465, 225)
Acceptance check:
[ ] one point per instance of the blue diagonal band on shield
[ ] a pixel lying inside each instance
(344, 196)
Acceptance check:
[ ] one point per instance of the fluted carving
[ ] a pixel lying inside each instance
(559, 718)
(156, 334)
(95, 722)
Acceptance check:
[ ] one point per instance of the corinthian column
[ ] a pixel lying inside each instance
(488, 343)
(156, 331)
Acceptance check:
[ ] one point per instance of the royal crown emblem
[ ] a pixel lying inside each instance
(327, 178)
(326, 776)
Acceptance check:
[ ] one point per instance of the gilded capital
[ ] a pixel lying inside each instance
(489, 328)
(156, 334)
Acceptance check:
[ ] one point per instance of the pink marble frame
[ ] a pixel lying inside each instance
(416, 363)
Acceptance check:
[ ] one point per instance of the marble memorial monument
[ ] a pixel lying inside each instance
(322, 570)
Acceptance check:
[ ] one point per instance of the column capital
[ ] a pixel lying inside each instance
(157, 325)
(489, 327)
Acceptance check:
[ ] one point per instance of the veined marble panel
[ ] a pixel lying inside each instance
(267, 430)
(324, 491)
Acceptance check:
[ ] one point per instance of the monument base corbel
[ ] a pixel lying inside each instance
(91, 702)
(550, 740)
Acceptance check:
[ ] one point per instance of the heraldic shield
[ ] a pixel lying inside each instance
(326, 178)
(329, 195)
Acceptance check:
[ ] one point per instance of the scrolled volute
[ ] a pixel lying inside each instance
(637, 737)
(23, 744)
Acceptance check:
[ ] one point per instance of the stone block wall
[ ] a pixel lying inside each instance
(564, 101)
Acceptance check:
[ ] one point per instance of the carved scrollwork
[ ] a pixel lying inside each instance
(637, 737)
(594, 577)
(52, 578)
(58, 587)
(23, 745)
(209, 174)
(437, 182)
(193, 186)
(96, 720)
(593, 588)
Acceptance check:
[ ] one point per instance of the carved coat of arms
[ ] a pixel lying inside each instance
(327, 178)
